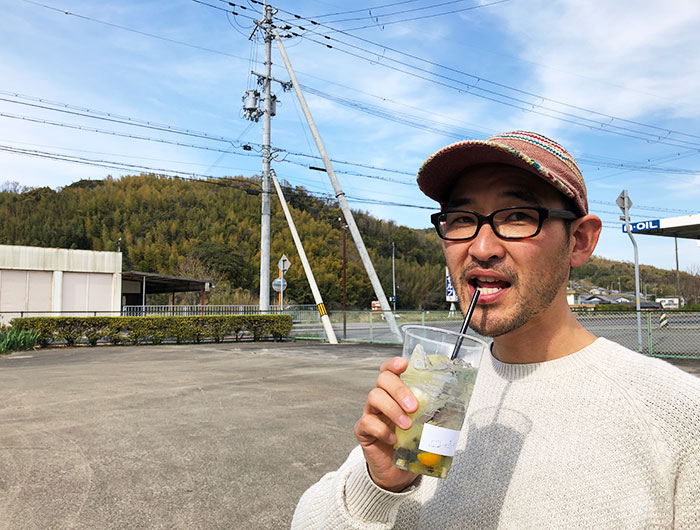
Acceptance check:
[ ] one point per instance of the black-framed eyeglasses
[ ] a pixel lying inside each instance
(507, 223)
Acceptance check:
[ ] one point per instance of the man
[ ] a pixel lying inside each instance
(564, 430)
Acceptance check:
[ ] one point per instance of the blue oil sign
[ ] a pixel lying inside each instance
(643, 226)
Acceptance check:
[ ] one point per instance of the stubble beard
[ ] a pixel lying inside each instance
(532, 296)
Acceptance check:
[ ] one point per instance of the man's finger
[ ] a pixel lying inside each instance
(396, 365)
(399, 392)
(370, 428)
(381, 403)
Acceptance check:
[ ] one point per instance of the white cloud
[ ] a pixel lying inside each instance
(637, 58)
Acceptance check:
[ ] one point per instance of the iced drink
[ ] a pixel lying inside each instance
(443, 388)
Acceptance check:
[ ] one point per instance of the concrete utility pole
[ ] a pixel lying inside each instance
(265, 217)
(340, 195)
(625, 203)
(393, 272)
(325, 319)
(345, 285)
(678, 275)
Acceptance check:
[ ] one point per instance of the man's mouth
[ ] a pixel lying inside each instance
(488, 285)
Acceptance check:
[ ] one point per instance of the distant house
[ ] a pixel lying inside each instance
(598, 299)
(604, 299)
(574, 298)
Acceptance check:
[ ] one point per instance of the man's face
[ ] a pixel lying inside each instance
(518, 279)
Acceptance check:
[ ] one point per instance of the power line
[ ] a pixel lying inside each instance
(655, 137)
(645, 207)
(215, 149)
(382, 24)
(412, 10)
(198, 177)
(365, 9)
(159, 37)
(105, 116)
(397, 117)
(229, 10)
(128, 120)
(125, 156)
(373, 110)
(601, 126)
(120, 134)
(530, 107)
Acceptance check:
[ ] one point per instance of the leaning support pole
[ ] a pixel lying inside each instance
(340, 195)
(330, 334)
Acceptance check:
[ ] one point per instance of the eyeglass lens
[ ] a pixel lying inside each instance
(512, 223)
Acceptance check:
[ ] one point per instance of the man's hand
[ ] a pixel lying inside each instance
(386, 407)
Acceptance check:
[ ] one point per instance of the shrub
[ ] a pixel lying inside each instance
(154, 330)
(17, 339)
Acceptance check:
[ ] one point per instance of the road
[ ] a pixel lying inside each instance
(208, 436)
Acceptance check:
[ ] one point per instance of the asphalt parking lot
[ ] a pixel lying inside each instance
(207, 436)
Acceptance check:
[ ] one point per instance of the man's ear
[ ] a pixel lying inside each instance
(585, 232)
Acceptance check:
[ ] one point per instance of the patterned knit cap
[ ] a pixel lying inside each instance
(530, 151)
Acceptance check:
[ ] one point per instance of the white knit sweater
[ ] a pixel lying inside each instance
(604, 438)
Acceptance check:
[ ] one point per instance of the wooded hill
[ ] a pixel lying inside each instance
(211, 230)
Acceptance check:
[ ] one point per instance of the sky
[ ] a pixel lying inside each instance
(157, 86)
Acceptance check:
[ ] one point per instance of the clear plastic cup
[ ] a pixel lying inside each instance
(443, 388)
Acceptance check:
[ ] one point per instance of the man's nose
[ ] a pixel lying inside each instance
(486, 245)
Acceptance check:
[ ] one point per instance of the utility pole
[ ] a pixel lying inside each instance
(678, 276)
(393, 272)
(345, 279)
(265, 218)
(625, 203)
(340, 195)
(252, 112)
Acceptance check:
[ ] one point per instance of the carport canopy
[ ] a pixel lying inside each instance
(159, 283)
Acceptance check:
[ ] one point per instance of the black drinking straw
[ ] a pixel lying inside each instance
(465, 324)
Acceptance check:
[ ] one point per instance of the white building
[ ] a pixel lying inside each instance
(35, 280)
(670, 302)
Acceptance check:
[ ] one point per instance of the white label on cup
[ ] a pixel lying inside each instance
(438, 440)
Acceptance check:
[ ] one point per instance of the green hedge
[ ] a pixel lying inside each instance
(154, 330)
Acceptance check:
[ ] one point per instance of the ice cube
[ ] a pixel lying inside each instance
(438, 362)
(419, 359)
(462, 363)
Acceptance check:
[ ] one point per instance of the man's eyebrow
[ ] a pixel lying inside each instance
(524, 195)
(461, 201)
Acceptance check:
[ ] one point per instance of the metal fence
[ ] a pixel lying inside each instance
(664, 334)
(299, 313)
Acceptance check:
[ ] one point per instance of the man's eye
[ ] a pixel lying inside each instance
(460, 220)
(521, 216)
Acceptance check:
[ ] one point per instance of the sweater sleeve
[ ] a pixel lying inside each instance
(686, 503)
(349, 499)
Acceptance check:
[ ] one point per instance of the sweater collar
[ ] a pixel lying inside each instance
(546, 369)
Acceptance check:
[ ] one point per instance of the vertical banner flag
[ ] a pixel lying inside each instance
(450, 294)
